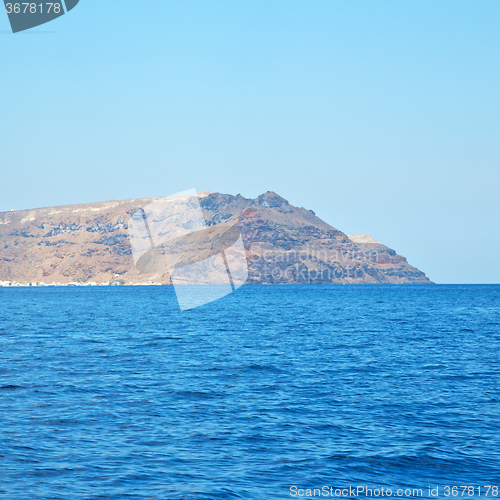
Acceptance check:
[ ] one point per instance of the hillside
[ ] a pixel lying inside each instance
(284, 244)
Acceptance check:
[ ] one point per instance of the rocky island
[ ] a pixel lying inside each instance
(90, 245)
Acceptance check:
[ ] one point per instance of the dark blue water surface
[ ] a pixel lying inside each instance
(113, 393)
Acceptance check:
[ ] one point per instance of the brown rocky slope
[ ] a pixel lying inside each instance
(284, 245)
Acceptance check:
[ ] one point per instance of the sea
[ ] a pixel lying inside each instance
(272, 392)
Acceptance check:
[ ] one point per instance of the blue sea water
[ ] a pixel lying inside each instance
(113, 393)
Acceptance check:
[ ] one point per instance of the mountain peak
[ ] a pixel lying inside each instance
(270, 199)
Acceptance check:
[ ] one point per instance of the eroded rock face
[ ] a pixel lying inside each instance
(284, 244)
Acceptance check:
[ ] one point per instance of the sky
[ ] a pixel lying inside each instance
(382, 117)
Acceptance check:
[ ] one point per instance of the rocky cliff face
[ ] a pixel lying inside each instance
(284, 245)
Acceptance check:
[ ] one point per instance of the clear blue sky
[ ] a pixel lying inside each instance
(381, 116)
